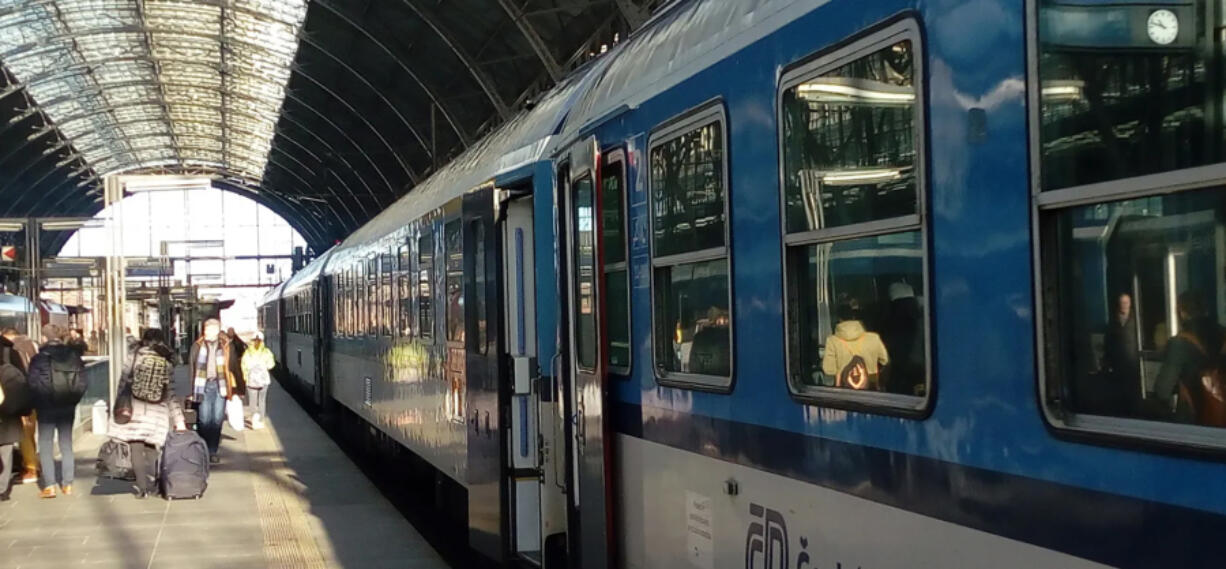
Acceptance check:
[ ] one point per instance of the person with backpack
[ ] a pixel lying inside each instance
(258, 362)
(155, 410)
(1188, 388)
(854, 356)
(57, 379)
(25, 348)
(212, 364)
(15, 403)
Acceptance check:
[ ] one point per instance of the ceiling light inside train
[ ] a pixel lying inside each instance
(861, 177)
(870, 91)
(1062, 90)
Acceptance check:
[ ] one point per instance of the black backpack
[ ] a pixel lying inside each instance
(67, 384)
(18, 399)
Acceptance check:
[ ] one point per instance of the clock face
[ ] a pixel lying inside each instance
(1163, 27)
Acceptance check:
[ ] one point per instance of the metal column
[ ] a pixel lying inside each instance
(116, 277)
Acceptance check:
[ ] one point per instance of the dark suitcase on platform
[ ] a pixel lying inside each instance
(185, 466)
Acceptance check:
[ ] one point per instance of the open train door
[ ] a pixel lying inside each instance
(482, 341)
(586, 369)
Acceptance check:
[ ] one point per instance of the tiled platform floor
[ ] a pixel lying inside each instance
(283, 497)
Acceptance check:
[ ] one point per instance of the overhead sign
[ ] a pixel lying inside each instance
(8, 254)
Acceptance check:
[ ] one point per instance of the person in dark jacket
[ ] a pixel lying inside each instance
(1188, 354)
(1122, 358)
(27, 349)
(56, 406)
(237, 348)
(13, 405)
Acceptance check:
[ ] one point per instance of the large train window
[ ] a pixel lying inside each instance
(1128, 134)
(851, 138)
(404, 294)
(425, 282)
(372, 296)
(616, 269)
(691, 280)
(453, 243)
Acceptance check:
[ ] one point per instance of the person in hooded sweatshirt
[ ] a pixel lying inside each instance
(854, 356)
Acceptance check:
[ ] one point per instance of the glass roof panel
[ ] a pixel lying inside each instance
(152, 81)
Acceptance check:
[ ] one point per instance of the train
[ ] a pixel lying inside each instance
(793, 284)
(16, 313)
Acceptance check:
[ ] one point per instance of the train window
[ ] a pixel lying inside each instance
(453, 243)
(1136, 298)
(585, 267)
(404, 294)
(691, 281)
(480, 279)
(425, 283)
(1117, 102)
(387, 294)
(616, 273)
(851, 136)
(372, 297)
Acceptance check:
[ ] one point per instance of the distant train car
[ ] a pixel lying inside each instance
(818, 283)
(15, 312)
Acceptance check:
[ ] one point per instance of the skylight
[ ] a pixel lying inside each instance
(137, 84)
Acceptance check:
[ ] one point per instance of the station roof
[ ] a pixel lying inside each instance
(326, 111)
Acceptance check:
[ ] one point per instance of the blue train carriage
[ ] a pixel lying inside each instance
(270, 312)
(303, 299)
(443, 327)
(16, 312)
(872, 284)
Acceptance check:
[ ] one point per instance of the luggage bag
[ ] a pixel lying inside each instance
(185, 466)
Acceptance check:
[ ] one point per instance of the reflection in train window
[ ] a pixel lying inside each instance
(693, 319)
(852, 186)
(583, 219)
(1138, 296)
(372, 296)
(404, 292)
(691, 281)
(849, 144)
(616, 275)
(859, 298)
(1114, 103)
(425, 283)
(687, 191)
(453, 242)
(480, 281)
(387, 294)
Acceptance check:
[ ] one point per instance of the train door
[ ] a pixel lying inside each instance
(525, 475)
(483, 373)
(590, 451)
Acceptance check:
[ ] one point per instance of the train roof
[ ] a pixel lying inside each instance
(14, 303)
(307, 275)
(677, 44)
(521, 141)
(273, 293)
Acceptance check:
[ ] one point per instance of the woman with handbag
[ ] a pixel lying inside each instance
(257, 365)
(154, 409)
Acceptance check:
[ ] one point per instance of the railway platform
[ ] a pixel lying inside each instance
(283, 497)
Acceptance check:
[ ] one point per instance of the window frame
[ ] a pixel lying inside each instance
(857, 47)
(711, 111)
(424, 331)
(1062, 421)
(618, 156)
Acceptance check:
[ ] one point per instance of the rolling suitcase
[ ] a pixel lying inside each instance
(185, 466)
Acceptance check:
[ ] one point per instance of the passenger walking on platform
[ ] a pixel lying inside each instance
(57, 380)
(26, 349)
(15, 403)
(258, 362)
(213, 382)
(153, 414)
(238, 347)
